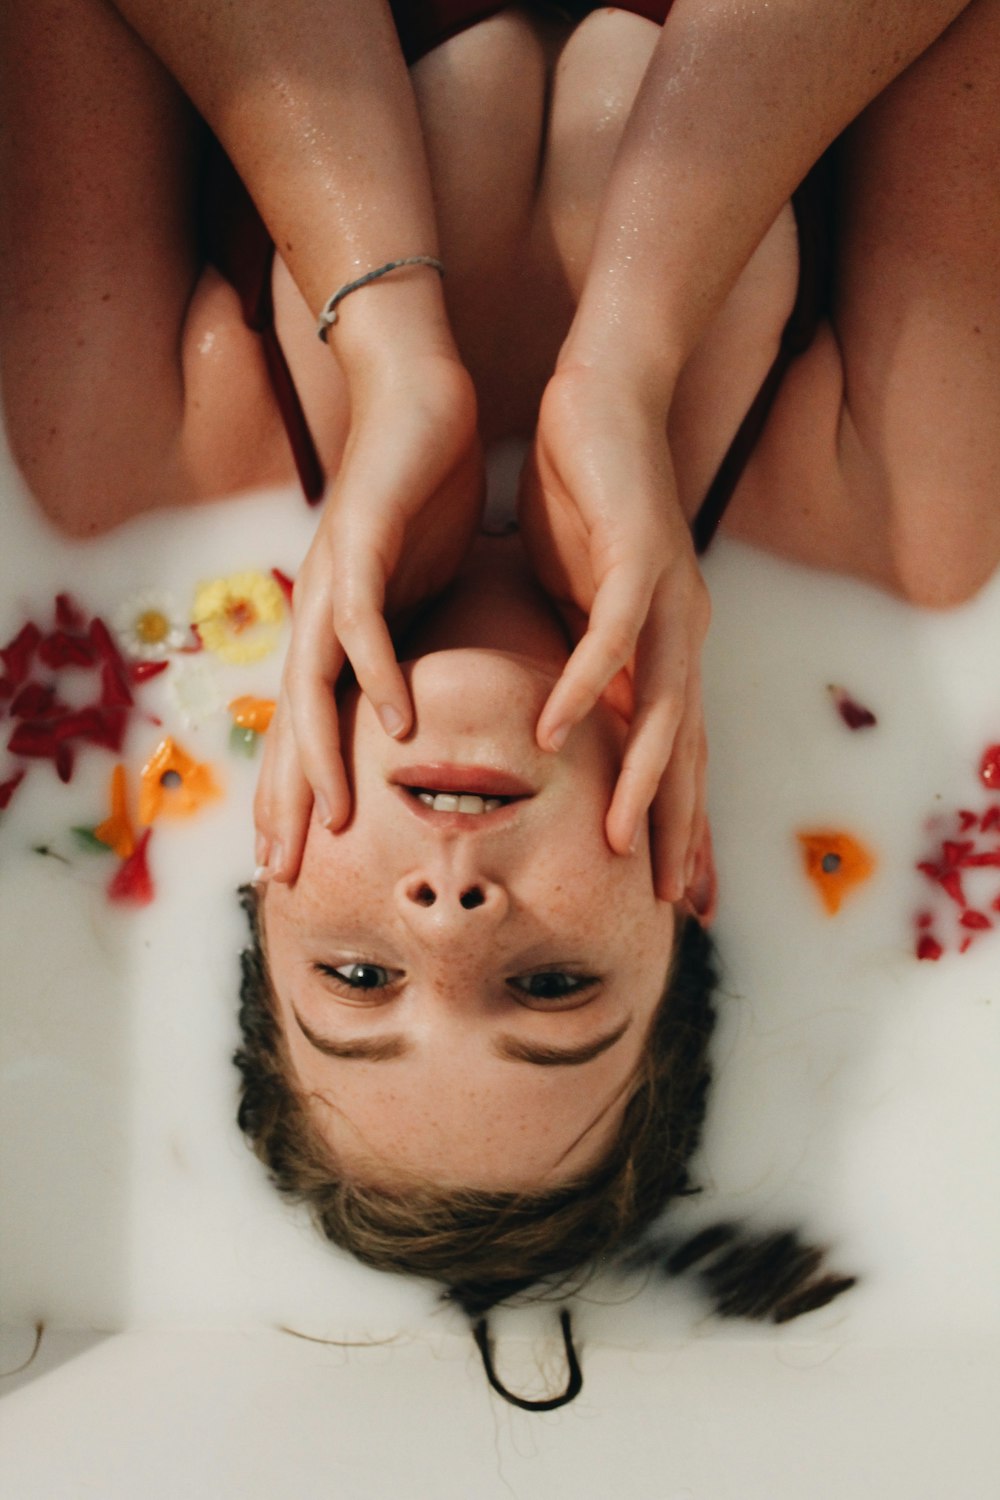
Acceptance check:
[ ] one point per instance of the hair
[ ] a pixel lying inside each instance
(485, 1247)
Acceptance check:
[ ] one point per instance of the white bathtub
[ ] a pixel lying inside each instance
(856, 1097)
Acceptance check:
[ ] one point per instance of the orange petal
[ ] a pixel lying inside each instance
(116, 831)
(173, 784)
(252, 713)
(835, 863)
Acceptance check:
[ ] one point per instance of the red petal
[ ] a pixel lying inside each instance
(142, 671)
(34, 738)
(951, 882)
(64, 762)
(954, 854)
(8, 788)
(989, 767)
(285, 583)
(61, 649)
(929, 948)
(132, 882)
(854, 715)
(69, 615)
(115, 691)
(995, 906)
(969, 820)
(965, 945)
(7, 687)
(198, 644)
(991, 819)
(989, 861)
(33, 701)
(976, 920)
(924, 920)
(16, 655)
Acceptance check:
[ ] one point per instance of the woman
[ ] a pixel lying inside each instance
(909, 361)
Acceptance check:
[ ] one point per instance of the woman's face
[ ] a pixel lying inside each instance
(465, 995)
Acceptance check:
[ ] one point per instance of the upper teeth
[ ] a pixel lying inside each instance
(464, 802)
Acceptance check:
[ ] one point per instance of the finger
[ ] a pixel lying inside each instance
(662, 672)
(365, 640)
(674, 812)
(283, 802)
(312, 667)
(620, 606)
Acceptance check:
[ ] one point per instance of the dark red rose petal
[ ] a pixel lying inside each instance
(967, 820)
(285, 583)
(976, 920)
(989, 768)
(115, 691)
(34, 701)
(991, 819)
(62, 649)
(987, 861)
(33, 738)
(69, 615)
(8, 788)
(929, 948)
(65, 756)
(7, 688)
(16, 655)
(954, 854)
(132, 883)
(854, 715)
(142, 671)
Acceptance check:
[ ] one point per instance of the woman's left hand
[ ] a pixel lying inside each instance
(610, 545)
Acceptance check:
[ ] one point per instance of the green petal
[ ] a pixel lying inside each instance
(86, 840)
(243, 741)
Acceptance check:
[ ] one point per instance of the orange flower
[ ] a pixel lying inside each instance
(252, 713)
(116, 831)
(835, 863)
(172, 784)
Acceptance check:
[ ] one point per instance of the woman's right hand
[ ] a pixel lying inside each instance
(397, 521)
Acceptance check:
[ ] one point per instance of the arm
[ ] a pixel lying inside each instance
(312, 101)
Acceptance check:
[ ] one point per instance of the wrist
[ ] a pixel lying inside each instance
(400, 316)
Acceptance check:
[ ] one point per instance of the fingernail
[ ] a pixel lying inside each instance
(322, 807)
(274, 862)
(391, 719)
(558, 736)
(260, 850)
(261, 875)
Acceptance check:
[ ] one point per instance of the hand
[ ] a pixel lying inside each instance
(610, 545)
(400, 515)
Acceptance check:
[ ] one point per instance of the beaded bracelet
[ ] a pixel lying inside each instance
(328, 316)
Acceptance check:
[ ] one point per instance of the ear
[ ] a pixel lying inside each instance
(701, 897)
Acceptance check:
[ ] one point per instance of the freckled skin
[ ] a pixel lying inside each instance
(554, 898)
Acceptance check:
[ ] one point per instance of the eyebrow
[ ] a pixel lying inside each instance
(387, 1048)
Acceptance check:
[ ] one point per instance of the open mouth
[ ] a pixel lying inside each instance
(466, 792)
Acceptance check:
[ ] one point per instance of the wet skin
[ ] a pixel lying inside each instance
(465, 996)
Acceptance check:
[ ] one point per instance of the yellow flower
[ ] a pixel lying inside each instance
(238, 617)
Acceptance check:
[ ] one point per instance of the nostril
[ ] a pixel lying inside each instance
(472, 898)
(424, 896)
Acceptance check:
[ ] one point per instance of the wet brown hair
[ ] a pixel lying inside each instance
(484, 1247)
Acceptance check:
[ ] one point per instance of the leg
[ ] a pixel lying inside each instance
(99, 265)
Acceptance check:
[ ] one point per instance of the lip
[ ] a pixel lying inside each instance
(444, 822)
(479, 781)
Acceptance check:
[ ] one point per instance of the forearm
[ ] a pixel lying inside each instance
(312, 101)
(736, 105)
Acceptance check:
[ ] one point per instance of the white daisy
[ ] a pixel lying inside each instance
(149, 626)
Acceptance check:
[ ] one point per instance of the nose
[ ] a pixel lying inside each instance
(441, 904)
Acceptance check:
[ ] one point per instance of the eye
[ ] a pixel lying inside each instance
(359, 976)
(553, 984)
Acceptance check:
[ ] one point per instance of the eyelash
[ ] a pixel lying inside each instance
(579, 983)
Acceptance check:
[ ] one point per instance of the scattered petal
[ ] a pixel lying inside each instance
(854, 714)
(173, 784)
(34, 701)
(989, 768)
(69, 615)
(64, 649)
(253, 713)
(9, 787)
(836, 863)
(929, 948)
(116, 831)
(977, 920)
(967, 820)
(285, 584)
(17, 654)
(991, 819)
(142, 671)
(132, 883)
(238, 617)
